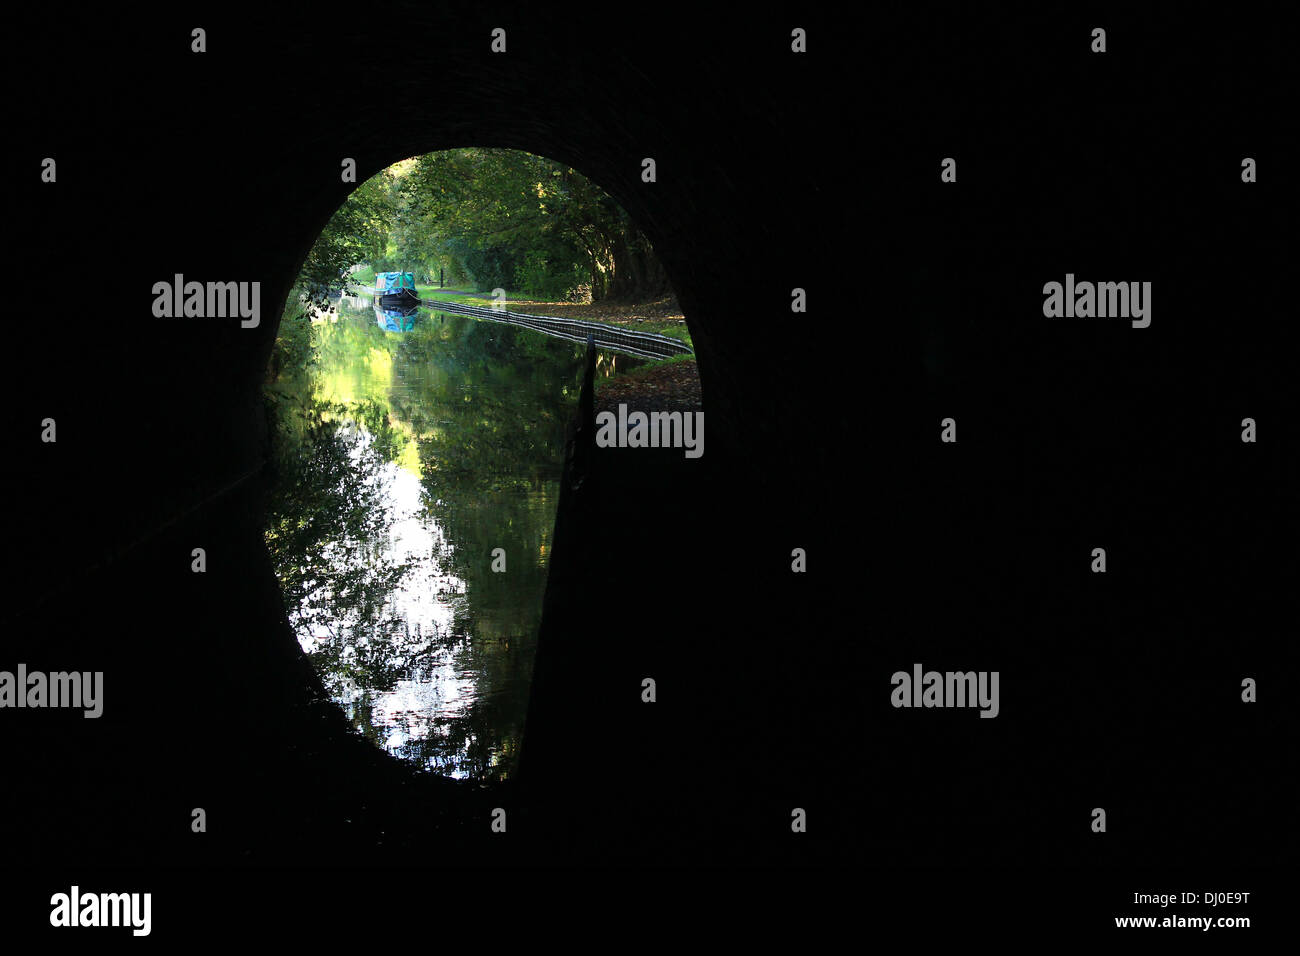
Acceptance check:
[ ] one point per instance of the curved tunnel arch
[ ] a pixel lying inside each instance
(368, 176)
(229, 172)
(708, 241)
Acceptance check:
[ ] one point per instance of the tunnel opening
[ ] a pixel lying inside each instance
(422, 387)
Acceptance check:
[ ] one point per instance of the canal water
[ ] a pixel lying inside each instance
(417, 476)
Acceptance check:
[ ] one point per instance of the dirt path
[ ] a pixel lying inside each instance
(665, 309)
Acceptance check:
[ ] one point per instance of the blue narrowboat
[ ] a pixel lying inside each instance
(395, 289)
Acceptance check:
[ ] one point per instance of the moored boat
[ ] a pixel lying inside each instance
(395, 289)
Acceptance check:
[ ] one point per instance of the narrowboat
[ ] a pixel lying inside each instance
(395, 289)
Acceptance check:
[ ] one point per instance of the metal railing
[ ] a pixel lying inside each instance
(642, 344)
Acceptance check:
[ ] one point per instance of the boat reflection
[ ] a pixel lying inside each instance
(397, 319)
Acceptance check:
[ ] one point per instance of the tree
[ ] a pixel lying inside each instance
(357, 232)
(543, 218)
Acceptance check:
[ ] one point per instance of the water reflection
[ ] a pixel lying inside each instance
(403, 462)
(396, 319)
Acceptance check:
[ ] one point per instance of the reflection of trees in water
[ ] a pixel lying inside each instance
(609, 364)
(490, 470)
(486, 408)
(377, 656)
(369, 662)
(327, 516)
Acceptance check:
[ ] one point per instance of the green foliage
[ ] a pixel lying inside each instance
(493, 218)
(487, 268)
(509, 217)
(478, 410)
(357, 232)
(538, 276)
(326, 516)
(293, 354)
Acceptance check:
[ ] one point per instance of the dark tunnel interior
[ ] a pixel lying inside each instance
(774, 173)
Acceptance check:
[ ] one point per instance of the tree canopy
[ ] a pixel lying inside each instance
(492, 218)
